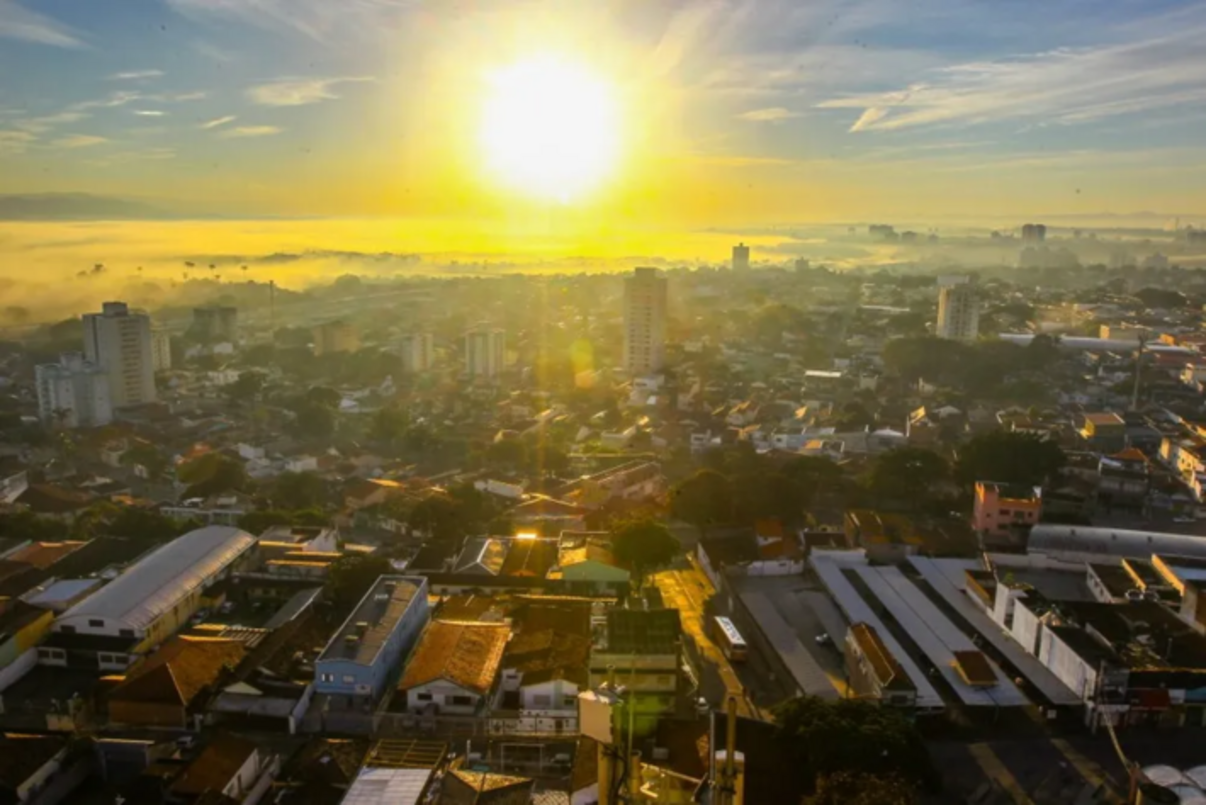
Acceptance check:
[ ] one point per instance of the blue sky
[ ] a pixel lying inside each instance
(1013, 103)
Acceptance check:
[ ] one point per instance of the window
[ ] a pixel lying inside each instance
(1005, 512)
(463, 701)
(542, 700)
(96, 623)
(348, 679)
(68, 629)
(569, 701)
(422, 697)
(126, 632)
(326, 677)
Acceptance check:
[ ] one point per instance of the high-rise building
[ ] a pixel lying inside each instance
(644, 322)
(335, 337)
(958, 309)
(73, 393)
(418, 352)
(118, 340)
(216, 323)
(485, 352)
(741, 257)
(161, 350)
(1034, 233)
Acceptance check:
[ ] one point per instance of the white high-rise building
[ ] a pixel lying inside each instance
(73, 393)
(161, 350)
(118, 340)
(644, 322)
(485, 352)
(741, 257)
(958, 309)
(418, 352)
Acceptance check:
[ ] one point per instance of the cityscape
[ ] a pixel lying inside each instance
(735, 403)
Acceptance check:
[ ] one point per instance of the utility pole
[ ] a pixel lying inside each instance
(1138, 372)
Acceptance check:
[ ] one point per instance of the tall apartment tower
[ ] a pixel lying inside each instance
(741, 257)
(485, 352)
(418, 352)
(335, 337)
(644, 322)
(216, 323)
(958, 309)
(118, 340)
(73, 393)
(1034, 233)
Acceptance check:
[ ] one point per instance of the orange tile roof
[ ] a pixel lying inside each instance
(44, 554)
(180, 670)
(466, 654)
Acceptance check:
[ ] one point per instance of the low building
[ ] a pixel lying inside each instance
(1104, 432)
(465, 787)
(170, 687)
(543, 671)
(1003, 514)
(360, 657)
(873, 671)
(73, 393)
(28, 764)
(586, 563)
(454, 668)
(643, 648)
(229, 769)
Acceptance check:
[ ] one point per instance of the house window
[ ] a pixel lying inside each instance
(125, 632)
(422, 697)
(1005, 512)
(569, 701)
(68, 629)
(326, 677)
(348, 679)
(463, 701)
(96, 623)
(542, 700)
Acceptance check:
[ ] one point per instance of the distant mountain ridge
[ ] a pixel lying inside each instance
(76, 207)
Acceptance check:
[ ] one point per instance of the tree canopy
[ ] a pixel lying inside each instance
(352, 576)
(1006, 457)
(212, 474)
(907, 475)
(704, 499)
(298, 490)
(644, 546)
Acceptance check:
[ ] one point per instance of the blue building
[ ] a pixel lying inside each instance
(372, 641)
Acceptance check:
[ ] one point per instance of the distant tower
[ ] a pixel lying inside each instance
(644, 322)
(118, 341)
(335, 337)
(1034, 233)
(958, 309)
(485, 351)
(741, 257)
(418, 352)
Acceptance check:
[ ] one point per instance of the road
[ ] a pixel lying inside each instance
(687, 590)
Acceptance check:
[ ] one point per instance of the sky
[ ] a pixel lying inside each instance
(732, 112)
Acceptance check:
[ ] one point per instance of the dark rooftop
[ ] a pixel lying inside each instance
(635, 631)
(380, 610)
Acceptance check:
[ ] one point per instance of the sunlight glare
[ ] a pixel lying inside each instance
(550, 128)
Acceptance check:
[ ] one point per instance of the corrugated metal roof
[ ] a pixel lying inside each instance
(1051, 538)
(388, 787)
(156, 583)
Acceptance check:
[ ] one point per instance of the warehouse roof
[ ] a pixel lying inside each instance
(156, 583)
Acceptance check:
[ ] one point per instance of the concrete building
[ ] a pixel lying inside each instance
(485, 352)
(369, 645)
(216, 323)
(418, 352)
(161, 350)
(644, 322)
(118, 340)
(741, 257)
(454, 668)
(335, 337)
(644, 649)
(1005, 513)
(1034, 233)
(958, 311)
(73, 393)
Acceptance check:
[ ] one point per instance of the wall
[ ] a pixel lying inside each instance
(442, 693)
(147, 714)
(24, 640)
(375, 676)
(1067, 665)
(1026, 626)
(562, 698)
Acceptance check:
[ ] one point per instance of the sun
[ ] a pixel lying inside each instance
(550, 128)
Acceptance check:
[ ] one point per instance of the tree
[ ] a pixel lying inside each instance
(212, 474)
(352, 576)
(315, 422)
(247, 388)
(389, 425)
(441, 518)
(258, 522)
(324, 396)
(147, 456)
(906, 475)
(147, 525)
(853, 737)
(704, 499)
(298, 490)
(643, 546)
(847, 788)
(1014, 458)
(766, 494)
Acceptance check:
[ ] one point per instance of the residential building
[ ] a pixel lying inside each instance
(157, 595)
(118, 340)
(873, 671)
(417, 352)
(73, 393)
(1104, 432)
(1005, 513)
(644, 322)
(31, 763)
(454, 668)
(1034, 233)
(238, 769)
(643, 648)
(216, 323)
(334, 338)
(369, 645)
(485, 352)
(959, 311)
(543, 671)
(465, 787)
(161, 350)
(170, 687)
(585, 562)
(741, 257)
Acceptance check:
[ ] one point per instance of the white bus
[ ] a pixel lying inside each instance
(730, 640)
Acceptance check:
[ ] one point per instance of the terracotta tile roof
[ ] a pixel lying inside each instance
(44, 554)
(215, 767)
(530, 557)
(466, 654)
(464, 787)
(180, 670)
(545, 655)
(561, 615)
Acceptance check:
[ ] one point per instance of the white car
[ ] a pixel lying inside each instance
(823, 639)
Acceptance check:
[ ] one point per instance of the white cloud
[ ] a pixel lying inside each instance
(149, 113)
(250, 131)
(136, 75)
(771, 114)
(38, 125)
(78, 141)
(114, 100)
(15, 142)
(1160, 70)
(218, 121)
(298, 91)
(18, 22)
(320, 20)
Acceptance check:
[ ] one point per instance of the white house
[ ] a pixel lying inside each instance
(454, 667)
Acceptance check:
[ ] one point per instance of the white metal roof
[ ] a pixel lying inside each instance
(1078, 541)
(388, 787)
(157, 582)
